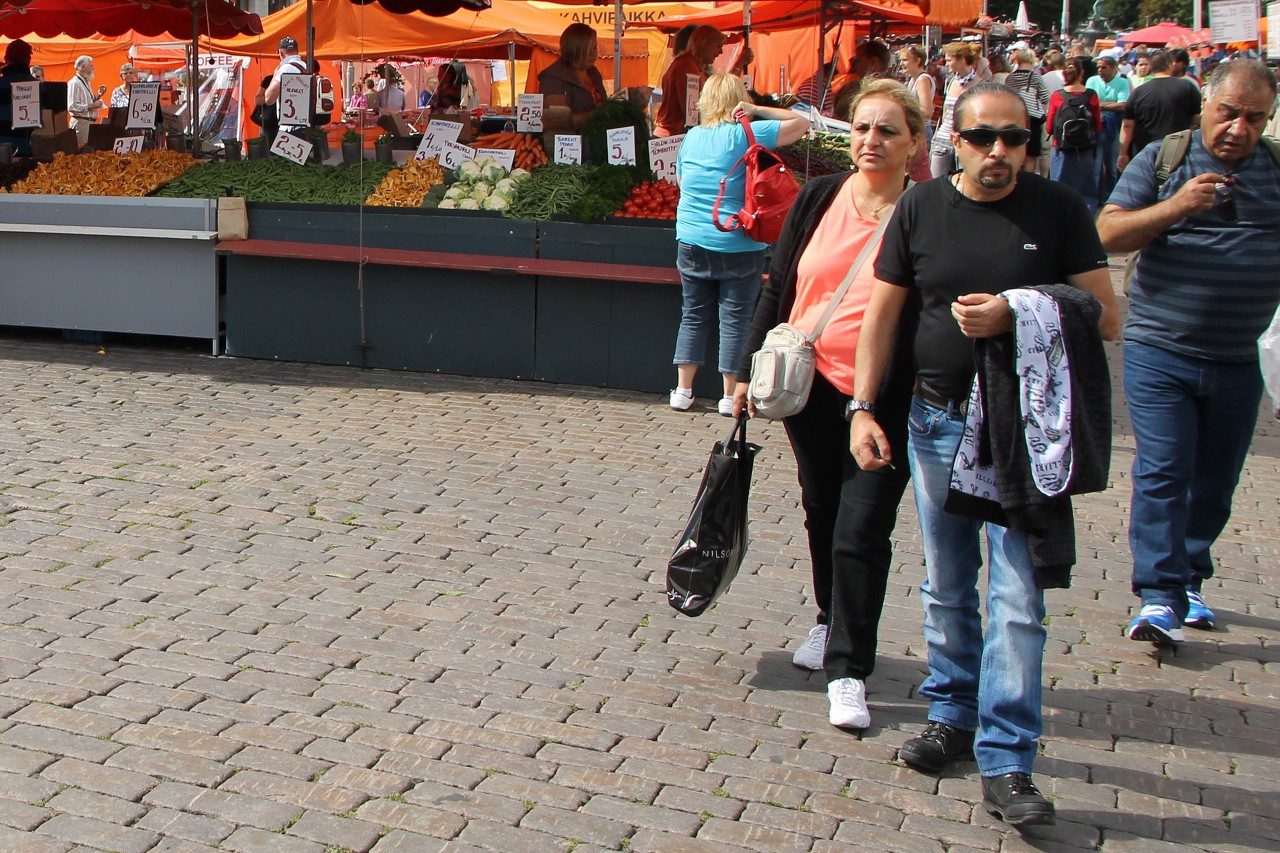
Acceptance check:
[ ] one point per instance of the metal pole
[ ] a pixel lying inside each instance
(619, 21)
(193, 98)
(511, 72)
(1066, 19)
(311, 34)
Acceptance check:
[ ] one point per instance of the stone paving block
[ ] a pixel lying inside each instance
(198, 829)
(72, 828)
(24, 842)
(22, 816)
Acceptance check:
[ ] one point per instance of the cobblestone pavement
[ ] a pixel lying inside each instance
(252, 606)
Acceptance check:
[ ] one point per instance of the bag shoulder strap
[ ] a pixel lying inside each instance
(1173, 150)
(849, 277)
(733, 224)
(1273, 147)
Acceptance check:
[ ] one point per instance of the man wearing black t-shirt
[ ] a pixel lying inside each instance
(958, 243)
(1163, 105)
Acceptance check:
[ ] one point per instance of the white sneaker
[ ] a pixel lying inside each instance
(809, 655)
(682, 399)
(725, 406)
(848, 697)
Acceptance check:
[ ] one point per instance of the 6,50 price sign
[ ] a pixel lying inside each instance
(144, 106)
(26, 104)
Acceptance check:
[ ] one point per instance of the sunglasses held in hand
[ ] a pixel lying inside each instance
(985, 137)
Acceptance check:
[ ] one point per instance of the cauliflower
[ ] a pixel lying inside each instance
(456, 192)
(495, 202)
(506, 186)
(448, 203)
(468, 204)
(516, 174)
(469, 171)
(479, 195)
(492, 172)
(481, 187)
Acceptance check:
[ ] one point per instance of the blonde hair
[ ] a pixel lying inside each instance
(892, 90)
(915, 50)
(1024, 56)
(720, 96)
(968, 52)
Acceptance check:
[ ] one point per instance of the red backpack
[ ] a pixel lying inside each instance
(771, 188)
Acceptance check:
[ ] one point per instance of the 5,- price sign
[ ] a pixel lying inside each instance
(662, 156)
(568, 149)
(128, 145)
(291, 147)
(622, 146)
(26, 104)
(692, 89)
(435, 136)
(529, 114)
(454, 154)
(144, 105)
(295, 100)
(505, 157)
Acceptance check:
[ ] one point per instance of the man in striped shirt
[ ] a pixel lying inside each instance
(1204, 289)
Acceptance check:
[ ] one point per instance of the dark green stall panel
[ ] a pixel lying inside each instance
(615, 335)
(649, 244)
(292, 310)
(420, 229)
(445, 321)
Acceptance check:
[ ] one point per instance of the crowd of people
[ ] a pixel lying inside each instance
(965, 357)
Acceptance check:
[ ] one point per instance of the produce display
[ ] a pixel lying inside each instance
(482, 184)
(817, 154)
(652, 200)
(105, 173)
(408, 185)
(11, 173)
(528, 147)
(609, 115)
(588, 193)
(278, 180)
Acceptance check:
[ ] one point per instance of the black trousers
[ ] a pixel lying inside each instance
(849, 514)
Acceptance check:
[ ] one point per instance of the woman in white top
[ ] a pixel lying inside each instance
(962, 62)
(913, 59)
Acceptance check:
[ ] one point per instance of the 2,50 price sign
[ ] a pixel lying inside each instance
(529, 114)
(662, 156)
(291, 147)
(144, 106)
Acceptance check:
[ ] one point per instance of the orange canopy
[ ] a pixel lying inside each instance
(950, 13)
(57, 55)
(784, 15)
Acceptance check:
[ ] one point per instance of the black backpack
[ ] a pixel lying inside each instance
(1073, 128)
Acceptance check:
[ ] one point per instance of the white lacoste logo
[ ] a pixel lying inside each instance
(1030, 247)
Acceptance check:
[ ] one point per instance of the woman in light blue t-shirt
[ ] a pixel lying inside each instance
(720, 271)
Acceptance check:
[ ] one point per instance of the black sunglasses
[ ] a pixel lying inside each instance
(985, 137)
(1227, 199)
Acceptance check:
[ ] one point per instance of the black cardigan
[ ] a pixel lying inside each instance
(778, 295)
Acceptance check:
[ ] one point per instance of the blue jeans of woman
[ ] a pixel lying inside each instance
(1078, 170)
(727, 282)
(989, 684)
(1193, 420)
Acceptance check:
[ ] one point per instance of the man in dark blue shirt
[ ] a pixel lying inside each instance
(1204, 289)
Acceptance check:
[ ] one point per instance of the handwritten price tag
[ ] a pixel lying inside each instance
(144, 106)
(692, 89)
(662, 156)
(26, 104)
(454, 154)
(622, 146)
(435, 136)
(529, 114)
(295, 100)
(568, 149)
(505, 157)
(291, 147)
(128, 145)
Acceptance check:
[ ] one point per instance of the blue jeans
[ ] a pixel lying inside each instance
(1108, 152)
(729, 280)
(1193, 421)
(1078, 170)
(989, 684)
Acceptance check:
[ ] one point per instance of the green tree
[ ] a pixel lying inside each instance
(1122, 14)
(1154, 11)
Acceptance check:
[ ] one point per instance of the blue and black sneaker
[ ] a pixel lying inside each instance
(1198, 615)
(1155, 623)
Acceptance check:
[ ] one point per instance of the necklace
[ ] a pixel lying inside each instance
(864, 203)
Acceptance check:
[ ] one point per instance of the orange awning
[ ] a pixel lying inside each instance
(950, 13)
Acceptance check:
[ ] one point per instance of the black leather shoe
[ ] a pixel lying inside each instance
(939, 745)
(1016, 800)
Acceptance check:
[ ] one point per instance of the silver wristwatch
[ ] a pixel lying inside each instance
(858, 406)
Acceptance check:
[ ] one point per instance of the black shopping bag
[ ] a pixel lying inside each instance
(714, 541)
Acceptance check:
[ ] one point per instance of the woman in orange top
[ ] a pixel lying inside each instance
(705, 45)
(849, 513)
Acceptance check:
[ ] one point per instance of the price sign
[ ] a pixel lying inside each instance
(295, 100)
(1233, 20)
(692, 89)
(1273, 31)
(622, 146)
(505, 157)
(291, 147)
(568, 149)
(662, 156)
(435, 136)
(454, 154)
(128, 145)
(529, 114)
(144, 106)
(26, 105)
